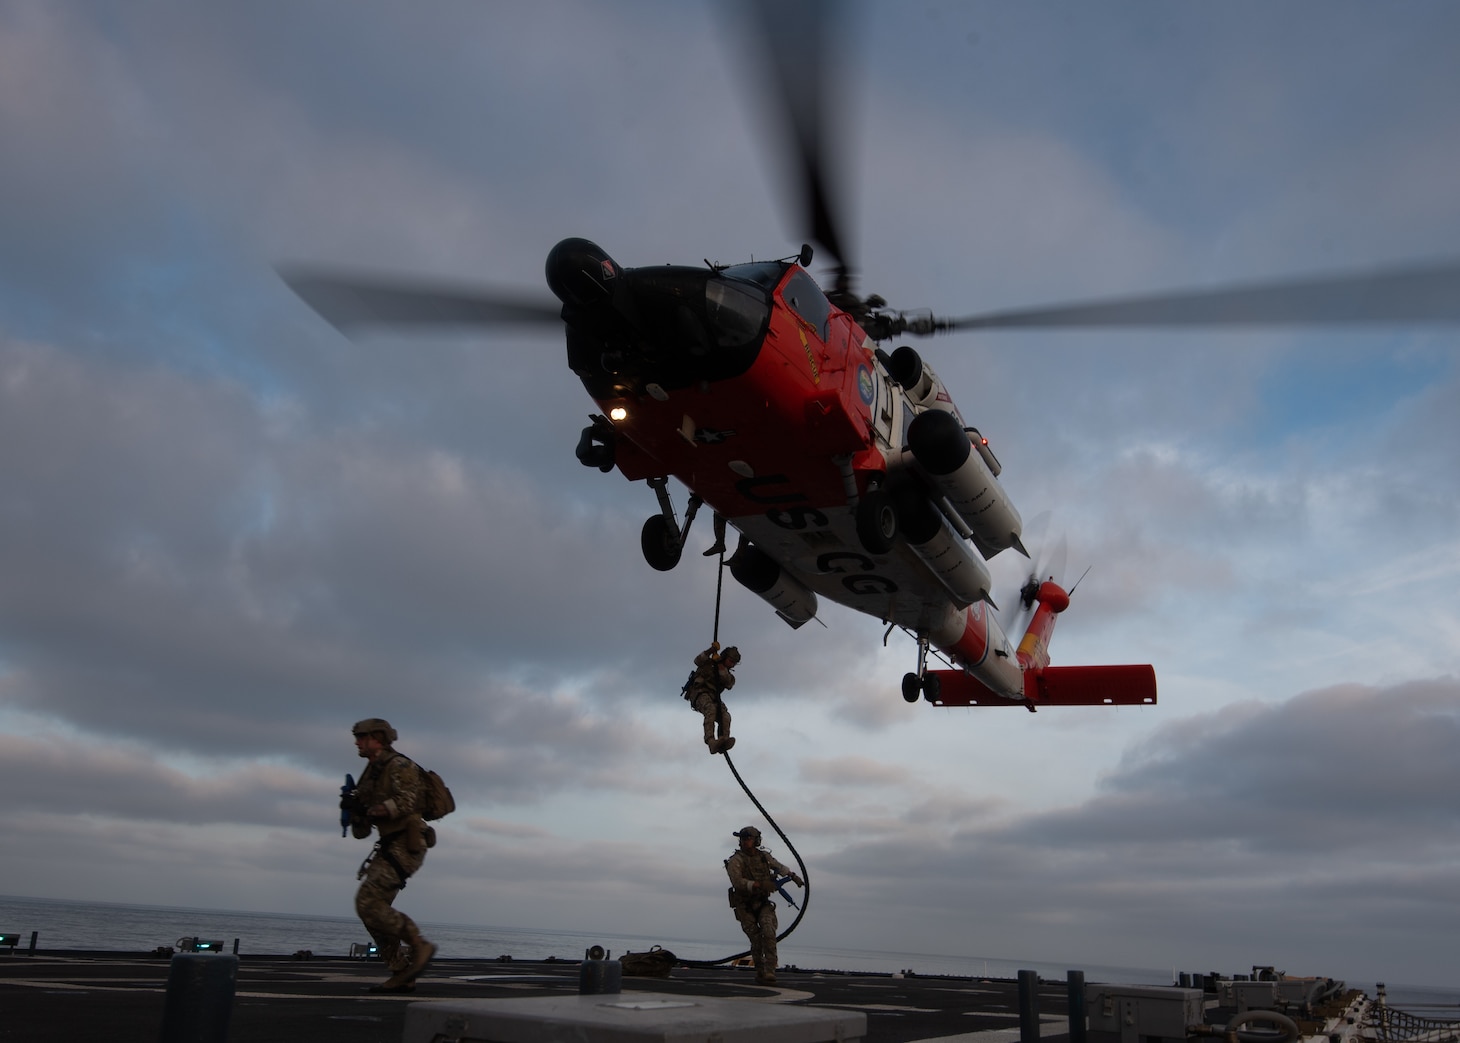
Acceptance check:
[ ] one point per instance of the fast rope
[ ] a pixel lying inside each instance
(719, 590)
(805, 875)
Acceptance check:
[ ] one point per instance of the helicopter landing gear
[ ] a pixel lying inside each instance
(921, 682)
(911, 687)
(662, 540)
(932, 688)
(876, 521)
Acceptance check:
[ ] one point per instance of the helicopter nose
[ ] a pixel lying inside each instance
(582, 274)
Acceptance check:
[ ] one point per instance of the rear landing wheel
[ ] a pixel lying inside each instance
(910, 687)
(661, 546)
(932, 687)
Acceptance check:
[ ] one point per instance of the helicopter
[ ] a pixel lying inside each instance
(846, 468)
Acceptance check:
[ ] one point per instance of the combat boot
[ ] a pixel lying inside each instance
(421, 953)
(397, 982)
(396, 958)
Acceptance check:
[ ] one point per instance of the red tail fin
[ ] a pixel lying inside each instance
(1092, 686)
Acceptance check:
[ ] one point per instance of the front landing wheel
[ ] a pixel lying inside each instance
(660, 544)
(876, 522)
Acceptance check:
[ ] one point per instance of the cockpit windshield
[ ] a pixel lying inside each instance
(673, 326)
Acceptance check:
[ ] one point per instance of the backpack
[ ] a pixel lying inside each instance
(436, 799)
(656, 963)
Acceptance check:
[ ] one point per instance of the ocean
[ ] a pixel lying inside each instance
(111, 927)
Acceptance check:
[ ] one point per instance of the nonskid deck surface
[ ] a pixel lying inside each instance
(51, 997)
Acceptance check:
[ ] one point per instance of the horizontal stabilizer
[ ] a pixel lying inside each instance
(1057, 686)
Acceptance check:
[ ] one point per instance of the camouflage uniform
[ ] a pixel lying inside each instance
(752, 881)
(711, 677)
(392, 780)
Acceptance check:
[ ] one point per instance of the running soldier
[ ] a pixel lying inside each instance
(752, 882)
(712, 675)
(387, 800)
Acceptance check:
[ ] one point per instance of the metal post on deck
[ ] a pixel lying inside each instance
(1028, 1007)
(33, 936)
(598, 974)
(1076, 984)
(199, 998)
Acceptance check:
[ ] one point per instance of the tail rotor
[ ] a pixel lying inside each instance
(1047, 564)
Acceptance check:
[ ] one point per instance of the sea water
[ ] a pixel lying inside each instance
(111, 927)
(104, 926)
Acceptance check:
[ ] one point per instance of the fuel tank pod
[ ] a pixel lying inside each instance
(946, 456)
(946, 553)
(756, 571)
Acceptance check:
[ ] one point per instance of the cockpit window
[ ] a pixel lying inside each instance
(807, 301)
(765, 274)
(736, 311)
(669, 325)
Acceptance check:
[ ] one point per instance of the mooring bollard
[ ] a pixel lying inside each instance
(1075, 982)
(199, 998)
(599, 975)
(1028, 1007)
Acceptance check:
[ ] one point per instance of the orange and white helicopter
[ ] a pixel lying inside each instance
(848, 471)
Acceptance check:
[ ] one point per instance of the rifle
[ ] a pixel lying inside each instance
(781, 883)
(348, 803)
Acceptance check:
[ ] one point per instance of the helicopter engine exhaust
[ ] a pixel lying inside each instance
(917, 378)
(754, 570)
(945, 454)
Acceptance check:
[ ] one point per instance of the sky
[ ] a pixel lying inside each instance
(227, 532)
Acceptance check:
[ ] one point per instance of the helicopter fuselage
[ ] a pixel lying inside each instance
(774, 407)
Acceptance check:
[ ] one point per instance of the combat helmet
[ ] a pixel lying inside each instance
(748, 831)
(375, 724)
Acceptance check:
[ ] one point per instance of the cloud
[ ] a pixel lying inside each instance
(850, 771)
(1221, 834)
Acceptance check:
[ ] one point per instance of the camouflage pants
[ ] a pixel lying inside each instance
(373, 902)
(715, 716)
(760, 929)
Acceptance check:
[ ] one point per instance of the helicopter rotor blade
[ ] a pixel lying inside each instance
(798, 39)
(1428, 292)
(349, 302)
